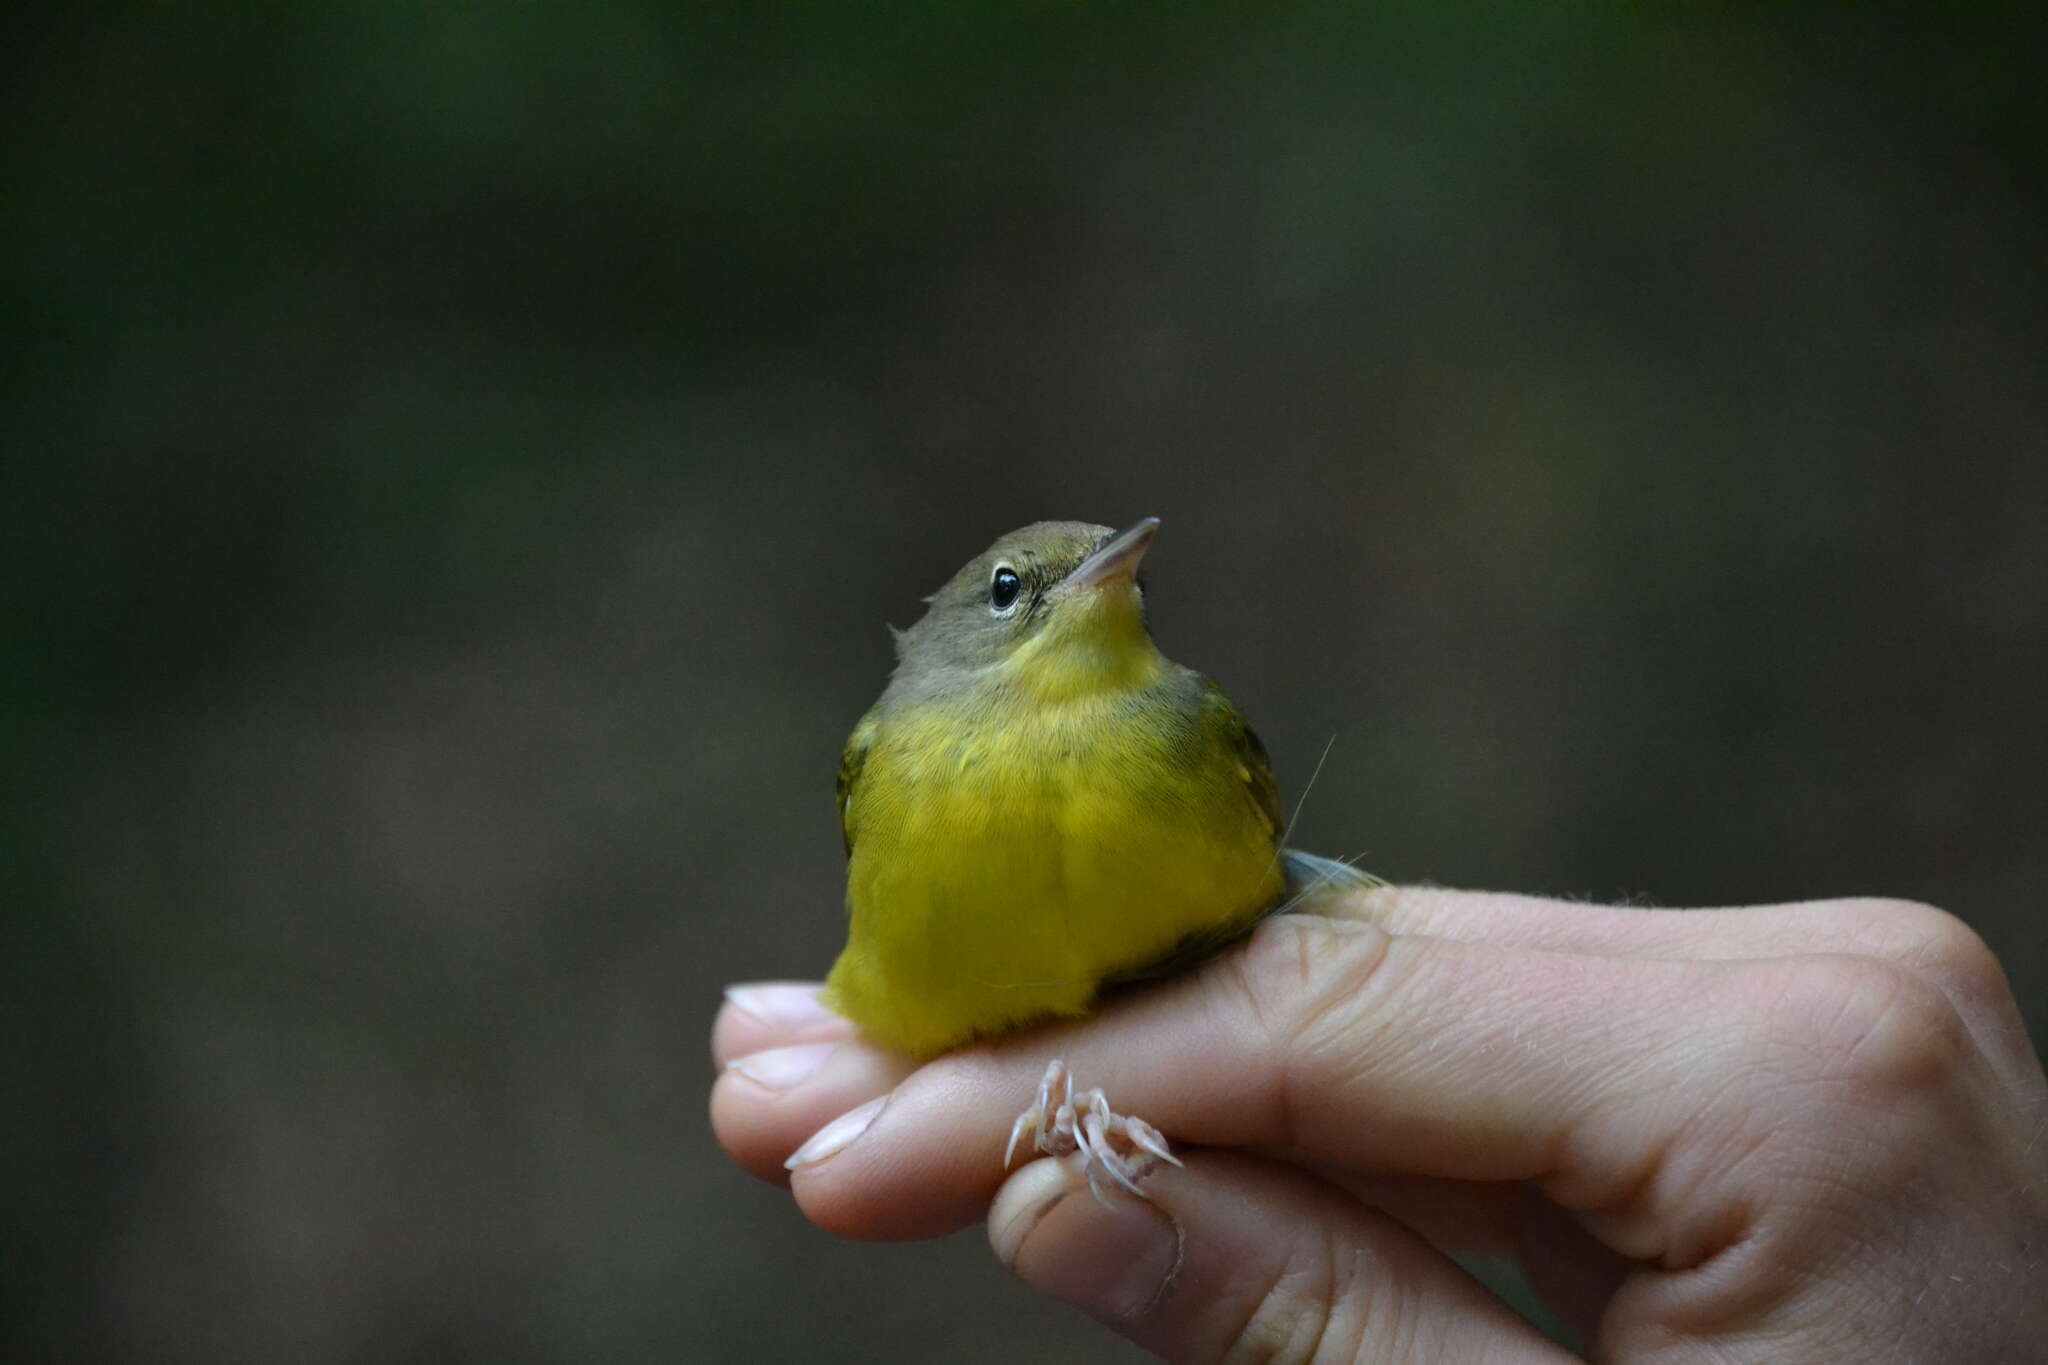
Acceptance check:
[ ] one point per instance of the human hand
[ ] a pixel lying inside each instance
(1793, 1133)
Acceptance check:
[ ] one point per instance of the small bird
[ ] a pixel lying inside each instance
(1041, 804)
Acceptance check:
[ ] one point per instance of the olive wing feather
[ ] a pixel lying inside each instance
(852, 760)
(1254, 768)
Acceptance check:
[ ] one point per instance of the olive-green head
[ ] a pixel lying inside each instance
(1054, 609)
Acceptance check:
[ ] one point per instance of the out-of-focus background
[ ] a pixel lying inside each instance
(458, 467)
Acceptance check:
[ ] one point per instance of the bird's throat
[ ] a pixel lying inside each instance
(1092, 645)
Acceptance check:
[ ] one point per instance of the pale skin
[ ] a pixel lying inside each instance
(1806, 1132)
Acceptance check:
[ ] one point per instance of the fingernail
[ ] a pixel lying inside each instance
(780, 1068)
(838, 1135)
(780, 1004)
(1112, 1259)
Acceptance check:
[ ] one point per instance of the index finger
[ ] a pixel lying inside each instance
(1929, 942)
(1589, 1076)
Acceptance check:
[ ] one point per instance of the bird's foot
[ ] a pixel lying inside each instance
(1061, 1122)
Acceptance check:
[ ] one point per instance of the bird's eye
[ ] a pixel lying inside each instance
(1003, 587)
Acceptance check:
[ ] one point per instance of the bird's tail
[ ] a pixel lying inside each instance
(1310, 875)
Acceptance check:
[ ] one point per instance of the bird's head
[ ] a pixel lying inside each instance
(1054, 610)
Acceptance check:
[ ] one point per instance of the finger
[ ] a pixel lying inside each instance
(1900, 931)
(758, 1015)
(1239, 1258)
(1458, 1218)
(1932, 943)
(1409, 1056)
(764, 1122)
(766, 1104)
(764, 1024)
(1575, 1273)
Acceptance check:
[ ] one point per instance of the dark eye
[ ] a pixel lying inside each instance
(1003, 588)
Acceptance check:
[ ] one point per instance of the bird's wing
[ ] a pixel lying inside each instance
(851, 760)
(1220, 716)
(1253, 767)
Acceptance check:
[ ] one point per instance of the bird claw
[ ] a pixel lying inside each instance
(1061, 1122)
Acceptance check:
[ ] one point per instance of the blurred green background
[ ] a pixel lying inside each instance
(459, 465)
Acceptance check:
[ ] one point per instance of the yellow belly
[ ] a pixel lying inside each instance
(1001, 872)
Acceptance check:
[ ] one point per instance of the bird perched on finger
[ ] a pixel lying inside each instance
(1042, 804)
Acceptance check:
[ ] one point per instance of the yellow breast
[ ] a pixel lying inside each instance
(1008, 862)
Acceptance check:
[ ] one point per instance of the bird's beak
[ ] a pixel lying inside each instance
(1117, 558)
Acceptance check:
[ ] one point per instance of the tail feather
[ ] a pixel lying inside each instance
(1310, 875)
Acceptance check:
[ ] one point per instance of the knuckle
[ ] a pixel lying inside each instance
(1286, 1325)
(1868, 1030)
(1305, 980)
(1316, 1310)
(1306, 995)
(1941, 945)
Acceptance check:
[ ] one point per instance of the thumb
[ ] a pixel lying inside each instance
(1239, 1258)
